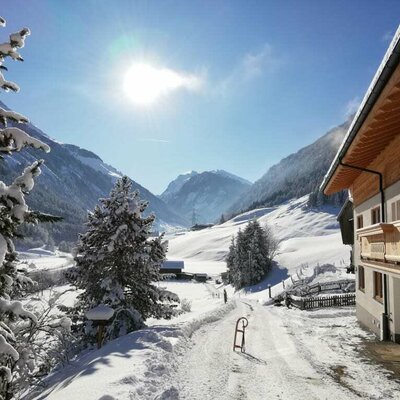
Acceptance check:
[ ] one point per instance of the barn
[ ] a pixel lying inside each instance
(172, 267)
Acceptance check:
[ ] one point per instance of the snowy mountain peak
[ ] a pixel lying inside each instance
(209, 193)
(175, 185)
(227, 174)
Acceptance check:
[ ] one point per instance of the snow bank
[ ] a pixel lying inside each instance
(137, 365)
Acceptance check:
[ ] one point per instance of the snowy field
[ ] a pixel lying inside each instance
(40, 259)
(133, 366)
(306, 237)
(290, 354)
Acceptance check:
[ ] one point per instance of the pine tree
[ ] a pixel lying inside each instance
(117, 264)
(250, 255)
(230, 262)
(17, 358)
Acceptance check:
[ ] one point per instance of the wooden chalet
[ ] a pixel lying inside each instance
(368, 165)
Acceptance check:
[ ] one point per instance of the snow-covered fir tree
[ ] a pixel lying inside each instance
(250, 255)
(118, 265)
(230, 261)
(17, 356)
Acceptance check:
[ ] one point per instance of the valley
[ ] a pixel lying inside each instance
(199, 200)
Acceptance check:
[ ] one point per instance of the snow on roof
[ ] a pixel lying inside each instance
(170, 264)
(100, 313)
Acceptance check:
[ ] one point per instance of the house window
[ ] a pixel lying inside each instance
(375, 215)
(360, 222)
(396, 210)
(361, 278)
(378, 286)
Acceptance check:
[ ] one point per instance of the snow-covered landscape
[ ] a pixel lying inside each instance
(241, 281)
(190, 356)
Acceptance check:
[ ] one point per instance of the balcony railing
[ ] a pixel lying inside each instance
(380, 242)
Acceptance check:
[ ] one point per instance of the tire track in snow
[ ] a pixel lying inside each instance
(272, 368)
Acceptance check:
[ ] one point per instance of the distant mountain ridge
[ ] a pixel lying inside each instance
(175, 185)
(294, 176)
(206, 195)
(72, 181)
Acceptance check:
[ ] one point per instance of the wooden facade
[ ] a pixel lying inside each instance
(366, 185)
(374, 147)
(381, 242)
(368, 165)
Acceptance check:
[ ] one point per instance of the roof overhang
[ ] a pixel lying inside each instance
(375, 124)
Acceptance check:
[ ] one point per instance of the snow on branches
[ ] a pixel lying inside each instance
(250, 255)
(10, 49)
(117, 264)
(7, 85)
(17, 353)
(8, 115)
(13, 211)
(13, 207)
(7, 50)
(15, 139)
(17, 41)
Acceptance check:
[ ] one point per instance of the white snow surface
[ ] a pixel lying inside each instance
(290, 354)
(305, 235)
(42, 259)
(133, 366)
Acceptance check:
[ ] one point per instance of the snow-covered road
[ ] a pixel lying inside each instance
(273, 366)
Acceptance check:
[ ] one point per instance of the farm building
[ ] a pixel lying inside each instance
(368, 165)
(172, 267)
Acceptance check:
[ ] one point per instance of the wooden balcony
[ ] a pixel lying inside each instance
(380, 242)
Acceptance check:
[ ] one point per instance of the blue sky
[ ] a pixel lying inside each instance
(272, 76)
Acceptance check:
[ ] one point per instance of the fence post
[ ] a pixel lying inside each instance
(283, 283)
(269, 290)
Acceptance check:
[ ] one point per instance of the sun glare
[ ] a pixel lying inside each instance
(145, 84)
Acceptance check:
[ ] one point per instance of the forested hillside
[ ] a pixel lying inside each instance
(72, 181)
(298, 174)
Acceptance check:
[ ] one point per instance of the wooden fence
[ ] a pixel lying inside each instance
(308, 303)
(300, 289)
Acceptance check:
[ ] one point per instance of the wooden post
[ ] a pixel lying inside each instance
(269, 291)
(100, 334)
(283, 283)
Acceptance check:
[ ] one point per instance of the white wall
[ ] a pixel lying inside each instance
(365, 299)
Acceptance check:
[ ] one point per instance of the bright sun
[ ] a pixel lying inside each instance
(144, 84)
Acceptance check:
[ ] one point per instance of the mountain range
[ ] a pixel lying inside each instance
(294, 176)
(204, 197)
(72, 181)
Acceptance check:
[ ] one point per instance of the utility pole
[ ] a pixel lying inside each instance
(194, 217)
